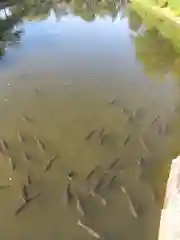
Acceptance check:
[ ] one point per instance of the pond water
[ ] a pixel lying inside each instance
(88, 85)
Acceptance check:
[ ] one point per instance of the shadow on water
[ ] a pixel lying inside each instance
(90, 112)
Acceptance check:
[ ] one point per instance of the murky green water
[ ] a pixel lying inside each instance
(68, 77)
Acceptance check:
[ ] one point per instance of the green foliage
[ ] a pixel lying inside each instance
(157, 47)
(173, 5)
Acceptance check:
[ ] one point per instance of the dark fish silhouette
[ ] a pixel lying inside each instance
(4, 145)
(141, 162)
(102, 135)
(89, 230)
(101, 181)
(21, 208)
(127, 139)
(29, 180)
(25, 118)
(27, 156)
(112, 181)
(26, 203)
(37, 90)
(25, 194)
(90, 135)
(102, 131)
(114, 163)
(103, 138)
(49, 165)
(113, 101)
(71, 175)
(40, 144)
(68, 194)
(12, 163)
(20, 137)
(92, 172)
(155, 120)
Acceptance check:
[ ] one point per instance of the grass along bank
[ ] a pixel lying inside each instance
(154, 17)
(164, 9)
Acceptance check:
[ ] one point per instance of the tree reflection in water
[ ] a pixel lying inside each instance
(156, 44)
(11, 14)
(157, 53)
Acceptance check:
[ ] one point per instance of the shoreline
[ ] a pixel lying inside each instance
(164, 13)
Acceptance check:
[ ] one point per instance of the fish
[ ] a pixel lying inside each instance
(88, 229)
(100, 181)
(102, 139)
(37, 90)
(40, 144)
(123, 110)
(20, 137)
(161, 128)
(155, 120)
(90, 134)
(112, 181)
(134, 113)
(102, 199)
(92, 192)
(21, 208)
(29, 181)
(152, 194)
(114, 163)
(102, 131)
(12, 163)
(71, 175)
(127, 139)
(25, 118)
(25, 194)
(102, 135)
(33, 197)
(144, 144)
(141, 161)
(27, 156)
(4, 145)
(49, 165)
(25, 204)
(79, 206)
(131, 205)
(113, 101)
(68, 194)
(92, 172)
(126, 111)
(130, 118)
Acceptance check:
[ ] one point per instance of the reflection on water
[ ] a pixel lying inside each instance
(86, 132)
